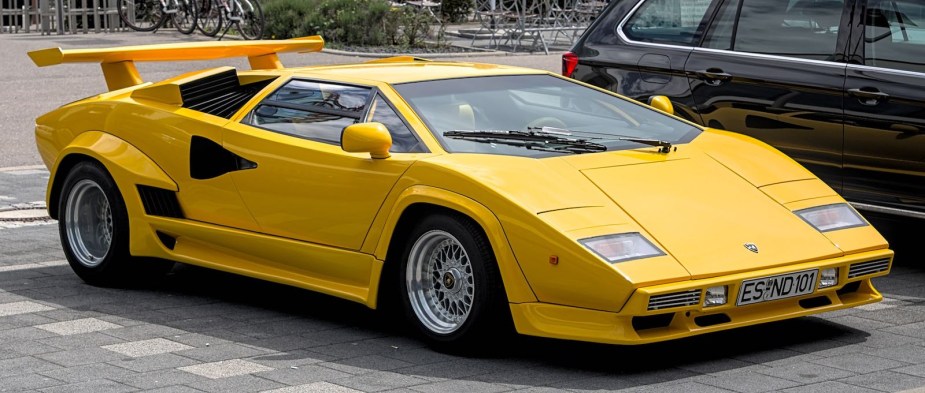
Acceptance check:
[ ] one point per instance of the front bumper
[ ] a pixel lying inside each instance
(636, 323)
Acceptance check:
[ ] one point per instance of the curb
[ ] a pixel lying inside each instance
(490, 53)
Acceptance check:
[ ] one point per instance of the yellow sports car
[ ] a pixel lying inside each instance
(474, 195)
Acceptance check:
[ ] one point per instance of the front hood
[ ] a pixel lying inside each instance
(703, 214)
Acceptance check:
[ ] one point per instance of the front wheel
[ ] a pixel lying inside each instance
(450, 285)
(94, 230)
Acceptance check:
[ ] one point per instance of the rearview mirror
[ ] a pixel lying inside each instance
(372, 138)
(661, 103)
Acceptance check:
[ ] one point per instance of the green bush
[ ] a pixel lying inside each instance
(456, 10)
(346, 22)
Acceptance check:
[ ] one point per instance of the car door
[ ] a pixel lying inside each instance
(303, 185)
(639, 48)
(774, 70)
(885, 108)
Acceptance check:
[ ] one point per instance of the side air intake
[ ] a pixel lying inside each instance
(160, 202)
(221, 94)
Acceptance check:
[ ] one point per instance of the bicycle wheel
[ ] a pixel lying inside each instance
(209, 21)
(185, 17)
(142, 15)
(250, 24)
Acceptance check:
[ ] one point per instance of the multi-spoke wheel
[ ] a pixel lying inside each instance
(93, 224)
(450, 283)
(249, 18)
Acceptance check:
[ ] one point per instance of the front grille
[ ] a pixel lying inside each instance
(160, 202)
(869, 267)
(676, 299)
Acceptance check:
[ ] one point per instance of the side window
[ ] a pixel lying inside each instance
(894, 35)
(403, 140)
(311, 110)
(667, 21)
(798, 28)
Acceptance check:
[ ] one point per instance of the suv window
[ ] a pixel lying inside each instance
(894, 35)
(311, 110)
(798, 28)
(667, 21)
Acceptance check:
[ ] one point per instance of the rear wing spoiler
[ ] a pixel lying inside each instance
(119, 63)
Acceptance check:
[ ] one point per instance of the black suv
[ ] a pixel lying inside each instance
(839, 85)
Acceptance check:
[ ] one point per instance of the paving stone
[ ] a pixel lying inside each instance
(380, 380)
(749, 382)
(77, 357)
(143, 332)
(916, 330)
(174, 389)
(222, 352)
(78, 326)
(905, 353)
(366, 364)
(159, 378)
(141, 348)
(22, 307)
(829, 387)
(84, 340)
(225, 368)
(24, 320)
(886, 380)
(153, 362)
(302, 374)
(26, 382)
(461, 386)
(29, 347)
(25, 333)
(859, 363)
(807, 373)
(98, 386)
(682, 387)
(87, 372)
(237, 384)
(24, 365)
(315, 387)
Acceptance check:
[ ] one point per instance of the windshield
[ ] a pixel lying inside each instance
(531, 102)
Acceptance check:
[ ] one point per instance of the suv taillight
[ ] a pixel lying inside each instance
(569, 62)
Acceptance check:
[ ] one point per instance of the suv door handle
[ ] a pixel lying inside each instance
(869, 95)
(713, 76)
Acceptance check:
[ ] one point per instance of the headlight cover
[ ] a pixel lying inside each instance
(621, 247)
(831, 217)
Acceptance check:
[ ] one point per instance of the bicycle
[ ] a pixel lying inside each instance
(150, 15)
(246, 15)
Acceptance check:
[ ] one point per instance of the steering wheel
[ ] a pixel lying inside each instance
(547, 121)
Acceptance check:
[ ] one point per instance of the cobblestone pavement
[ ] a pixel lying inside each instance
(201, 330)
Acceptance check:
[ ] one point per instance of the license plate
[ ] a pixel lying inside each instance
(777, 287)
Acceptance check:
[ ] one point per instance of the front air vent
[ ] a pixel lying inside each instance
(676, 299)
(160, 202)
(220, 94)
(869, 267)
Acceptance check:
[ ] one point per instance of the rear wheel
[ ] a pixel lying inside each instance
(186, 16)
(142, 15)
(93, 225)
(209, 19)
(450, 286)
(250, 25)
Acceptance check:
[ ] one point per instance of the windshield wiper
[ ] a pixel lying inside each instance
(533, 140)
(663, 146)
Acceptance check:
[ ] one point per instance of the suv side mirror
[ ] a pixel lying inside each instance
(372, 138)
(661, 103)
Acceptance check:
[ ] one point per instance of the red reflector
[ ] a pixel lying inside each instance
(569, 62)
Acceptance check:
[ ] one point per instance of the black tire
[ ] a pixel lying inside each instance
(142, 15)
(186, 17)
(209, 21)
(250, 27)
(488, 318)
(96, 261)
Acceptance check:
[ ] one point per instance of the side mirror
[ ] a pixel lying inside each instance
(661, 103)
(372, 138)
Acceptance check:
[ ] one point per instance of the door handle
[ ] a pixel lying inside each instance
(713, 76)
(869, 95)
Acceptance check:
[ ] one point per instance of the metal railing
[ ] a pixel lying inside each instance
(535, 23)
(59, 16)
